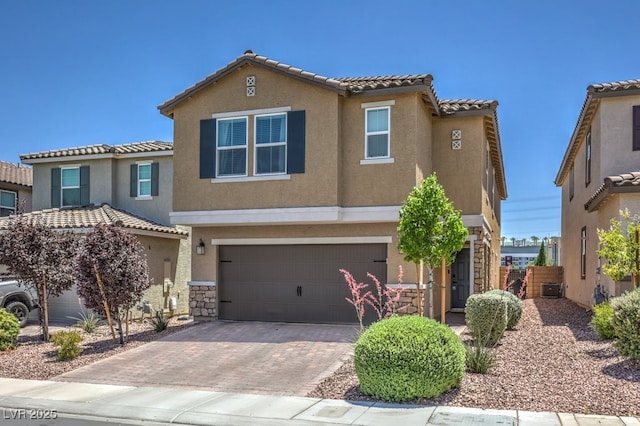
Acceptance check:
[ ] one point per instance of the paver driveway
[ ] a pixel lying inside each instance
(245, 357)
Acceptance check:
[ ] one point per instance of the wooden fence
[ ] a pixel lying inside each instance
(539, 275)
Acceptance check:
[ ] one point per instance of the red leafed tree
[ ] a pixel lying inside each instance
(112, 273)
(40, 258)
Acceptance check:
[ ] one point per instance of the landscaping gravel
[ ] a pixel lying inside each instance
(36, 360)
(552, 361)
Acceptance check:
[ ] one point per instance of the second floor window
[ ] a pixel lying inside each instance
(583, 252)
(7, 203)
(587, 175)
(270, 144)
(144, 180)
(231, 147)
(377, 133)
(571, 183)
(70, 186)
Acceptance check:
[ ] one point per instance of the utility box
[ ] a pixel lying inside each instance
(551, 290)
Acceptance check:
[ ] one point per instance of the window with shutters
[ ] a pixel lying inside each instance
(144, 180)
(70, 186)
(231, 147)
(7, 203)
(270, 144)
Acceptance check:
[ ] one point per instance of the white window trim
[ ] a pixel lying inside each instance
(230, 179)
(375, 160)
(226, 148)
(377, 104)
(139, 196)
(387, 132)
(265, 145)
(15, 201)
(248, 112)
(62, 187)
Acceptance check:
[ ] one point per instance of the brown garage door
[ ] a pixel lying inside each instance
(295, 283)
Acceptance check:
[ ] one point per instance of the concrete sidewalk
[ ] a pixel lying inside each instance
(196, 407)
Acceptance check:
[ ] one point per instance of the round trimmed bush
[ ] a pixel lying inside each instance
(626, 323)
(514, 307)
(601, 320)
(9, 330)
(486, 317)
(408, 357)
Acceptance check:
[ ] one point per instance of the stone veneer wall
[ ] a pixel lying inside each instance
(203, 301)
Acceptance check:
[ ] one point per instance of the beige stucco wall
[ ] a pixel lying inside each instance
(318, 186)
(616, 153)
(155, 208)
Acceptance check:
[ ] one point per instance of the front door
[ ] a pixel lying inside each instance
(460, 282)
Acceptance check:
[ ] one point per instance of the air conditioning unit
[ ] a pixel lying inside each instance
(550, 290)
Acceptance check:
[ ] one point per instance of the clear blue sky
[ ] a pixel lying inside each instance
(84, 72)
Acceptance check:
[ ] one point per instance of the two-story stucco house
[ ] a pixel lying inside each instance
(287, 176)
(130, 185)
(599, 176)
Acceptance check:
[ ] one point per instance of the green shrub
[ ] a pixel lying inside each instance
(486, 317)
(514, 307)
(9, 330)
(160, 323)
(87, 321)
(479, 358)
(408, 357)
(626, 323)
(68, 343)
(601, 320)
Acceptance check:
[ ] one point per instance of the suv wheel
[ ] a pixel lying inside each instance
(20, 311)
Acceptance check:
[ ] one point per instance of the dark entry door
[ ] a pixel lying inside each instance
(460, 282)
(295, 283)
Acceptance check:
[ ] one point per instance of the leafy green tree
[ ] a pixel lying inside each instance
(620, 247)
(40, 258)
(430, 232)
(541, 259)
(112, 273)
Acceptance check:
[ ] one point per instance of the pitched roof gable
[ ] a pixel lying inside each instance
(86, 217)
(595, 92)
(615, 184)
(101, 149)
(16, 174)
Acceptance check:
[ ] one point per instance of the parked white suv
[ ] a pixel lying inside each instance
(17, 299)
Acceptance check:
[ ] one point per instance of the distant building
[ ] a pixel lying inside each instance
(524, 252)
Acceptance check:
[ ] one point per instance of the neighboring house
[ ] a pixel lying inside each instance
(287, 176)
(16, 182)
(599, 176)
(130, 185)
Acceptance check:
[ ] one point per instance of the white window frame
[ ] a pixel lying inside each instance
(15, 201)
(145, 163)
(225, 148)
(265, 145)
(62, 187)
(367, 133)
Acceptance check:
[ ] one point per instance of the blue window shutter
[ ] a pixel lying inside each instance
(636, 127)
(84, 185)
(55, 187)
(208, 148)
(295, 141)
(133, 181)
(155, 169)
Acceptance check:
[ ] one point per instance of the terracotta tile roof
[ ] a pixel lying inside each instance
(77, 218)
(361, 84)
(626, 182)
(129, 148)
(451, 106)
(16, 174)
(594, 93)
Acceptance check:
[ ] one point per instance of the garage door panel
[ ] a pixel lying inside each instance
(297, 283)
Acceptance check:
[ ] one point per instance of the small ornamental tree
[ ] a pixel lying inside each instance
(40, 258)
(430, 232)
(112, 273)
(620, 247)
(541, 259)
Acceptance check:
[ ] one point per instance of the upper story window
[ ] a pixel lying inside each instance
(69, 186)
(571, 183)
(144, 179)
(231, 147)
(587, 174)
(377, 137)
(583, 252)
(270, 144)
(7, 203)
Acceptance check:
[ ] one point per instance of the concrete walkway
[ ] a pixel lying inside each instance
(195, 407)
